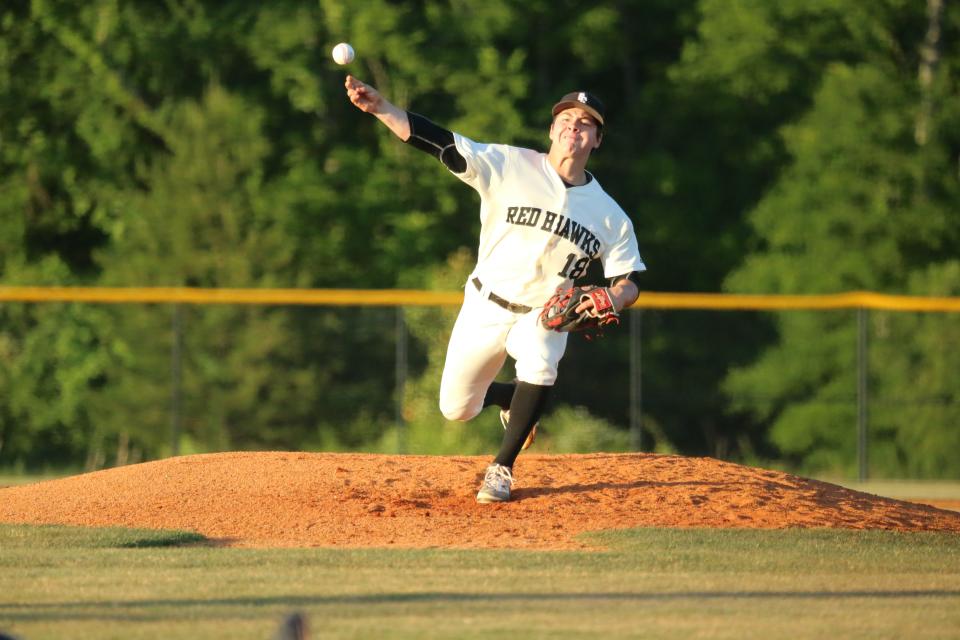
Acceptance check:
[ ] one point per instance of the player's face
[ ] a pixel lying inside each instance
(575, 132)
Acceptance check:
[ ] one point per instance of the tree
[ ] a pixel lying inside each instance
(861, 206)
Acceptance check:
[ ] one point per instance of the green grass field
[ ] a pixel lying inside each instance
(63, 582)
(905, 489)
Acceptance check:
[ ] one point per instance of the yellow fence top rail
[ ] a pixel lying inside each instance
(409, 297)
(188, 295)
(849, 300)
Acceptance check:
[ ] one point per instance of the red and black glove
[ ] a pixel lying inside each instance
(560, 313)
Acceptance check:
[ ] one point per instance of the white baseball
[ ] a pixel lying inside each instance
(343, 53)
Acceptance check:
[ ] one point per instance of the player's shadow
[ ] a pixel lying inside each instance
(521, 493)
(148, 610)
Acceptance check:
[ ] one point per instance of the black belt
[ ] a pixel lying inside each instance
(509, 306)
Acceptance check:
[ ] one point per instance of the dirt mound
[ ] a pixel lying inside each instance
(356, 500)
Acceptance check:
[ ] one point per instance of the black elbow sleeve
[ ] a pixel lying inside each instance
(633, 276)
(435, 140)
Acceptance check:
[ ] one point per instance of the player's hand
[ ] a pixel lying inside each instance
(622, 295)
(567, 310)
(363, 96)
(585, 305)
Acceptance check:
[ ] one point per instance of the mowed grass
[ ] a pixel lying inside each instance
(918, 490)
(12, 479)
(60, 582)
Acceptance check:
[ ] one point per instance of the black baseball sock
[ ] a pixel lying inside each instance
(526, 406)
(500, 394)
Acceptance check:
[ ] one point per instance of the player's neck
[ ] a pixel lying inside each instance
(571, 169)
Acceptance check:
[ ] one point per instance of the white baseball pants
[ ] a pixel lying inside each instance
(483, 336)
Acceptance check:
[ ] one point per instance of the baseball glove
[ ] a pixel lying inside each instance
(560, 313)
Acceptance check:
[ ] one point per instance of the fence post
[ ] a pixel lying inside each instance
(863, 364)
(401, 379)
(176, 391)
(636, 388)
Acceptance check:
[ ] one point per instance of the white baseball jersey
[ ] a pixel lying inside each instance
(536, 233)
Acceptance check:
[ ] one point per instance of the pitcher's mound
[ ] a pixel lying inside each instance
(357, 500)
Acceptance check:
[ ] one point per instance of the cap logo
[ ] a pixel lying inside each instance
(582, 97)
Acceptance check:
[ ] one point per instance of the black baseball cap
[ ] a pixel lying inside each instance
(583, 100)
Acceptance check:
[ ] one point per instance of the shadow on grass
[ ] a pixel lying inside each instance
(56, 536)
(167, 539)
(128, 610)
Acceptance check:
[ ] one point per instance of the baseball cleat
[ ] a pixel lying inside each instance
(505, 420)
(496, 484)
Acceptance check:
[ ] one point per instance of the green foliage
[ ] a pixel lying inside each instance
(915, 396)
(862, 205)
(571, 429)
(424, 429)
(788, 147)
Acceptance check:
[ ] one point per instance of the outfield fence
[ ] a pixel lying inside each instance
(646, 378)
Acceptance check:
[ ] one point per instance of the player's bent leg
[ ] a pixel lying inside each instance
(536, 350)
(527, 406)
(499, 394)
(463, 388)
(538, 353)
(475, 356)
(465, 380)
(457, 410)
(525, 409)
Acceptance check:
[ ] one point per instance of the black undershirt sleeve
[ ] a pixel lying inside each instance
(435, 140)
(633, 276)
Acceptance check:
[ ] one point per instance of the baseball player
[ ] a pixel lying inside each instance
(543, 219)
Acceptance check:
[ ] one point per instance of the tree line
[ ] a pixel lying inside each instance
(792, 147)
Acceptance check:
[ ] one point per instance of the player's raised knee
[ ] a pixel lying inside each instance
(456, 411)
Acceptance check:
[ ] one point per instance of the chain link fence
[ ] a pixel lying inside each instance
(850, 389)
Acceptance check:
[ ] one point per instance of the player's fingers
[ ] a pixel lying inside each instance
(357, 96)
(354, 83)
(364, 105)
(362, 95)
(355, 88)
